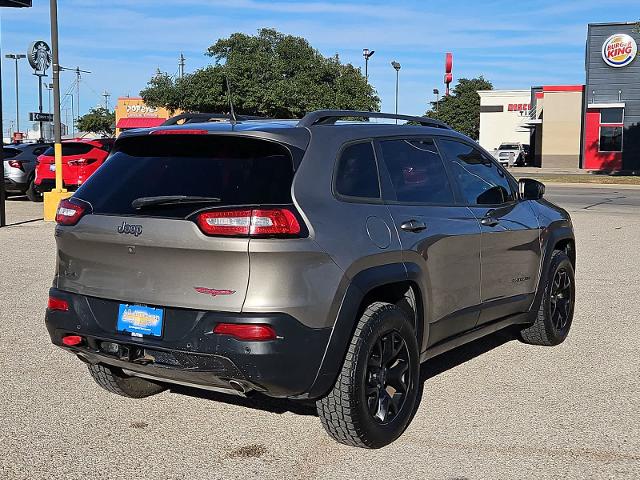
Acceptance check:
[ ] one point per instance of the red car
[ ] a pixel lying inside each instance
(80, 158)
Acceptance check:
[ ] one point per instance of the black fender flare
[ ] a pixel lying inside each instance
(346, 320)
(555, 233)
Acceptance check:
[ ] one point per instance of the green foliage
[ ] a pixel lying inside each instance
(461, 110)
(99, 120)
(271, 74)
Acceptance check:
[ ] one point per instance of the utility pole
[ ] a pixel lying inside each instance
(181, 64)
(16, 57)
(106, 96)
(436, 92)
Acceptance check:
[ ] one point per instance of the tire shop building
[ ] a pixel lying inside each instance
(594, 126)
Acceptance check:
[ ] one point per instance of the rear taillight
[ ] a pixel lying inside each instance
(16, 164)
(257, 222)
(246, 331)
(58, 304)
(69, 213)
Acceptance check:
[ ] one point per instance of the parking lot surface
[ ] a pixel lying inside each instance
(496, 409)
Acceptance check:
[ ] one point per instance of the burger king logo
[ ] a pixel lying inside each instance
(619, 50)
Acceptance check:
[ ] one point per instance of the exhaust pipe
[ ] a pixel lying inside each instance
(238, 387)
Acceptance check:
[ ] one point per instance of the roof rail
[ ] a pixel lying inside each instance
(204, 118)
(329, 117)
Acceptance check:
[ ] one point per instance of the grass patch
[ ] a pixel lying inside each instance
(585, 178)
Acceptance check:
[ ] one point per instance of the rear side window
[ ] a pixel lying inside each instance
(357, 173)
(10, 152)
(417, 172)
(479, 178)
(70, 148)
(238, 171)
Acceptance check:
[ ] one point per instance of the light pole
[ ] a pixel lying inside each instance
(367, 54)
(396, 66)
(16, 57)
(436, 92)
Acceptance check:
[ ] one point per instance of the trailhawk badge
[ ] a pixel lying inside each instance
(213, 291)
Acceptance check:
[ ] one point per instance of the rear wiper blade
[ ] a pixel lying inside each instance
(142, 202)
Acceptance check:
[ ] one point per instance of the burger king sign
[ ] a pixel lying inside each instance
(619, 50)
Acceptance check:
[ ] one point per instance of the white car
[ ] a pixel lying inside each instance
(511, 154)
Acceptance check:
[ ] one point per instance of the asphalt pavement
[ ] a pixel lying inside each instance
(496, 409)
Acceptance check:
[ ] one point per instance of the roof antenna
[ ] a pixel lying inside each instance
(233, 119)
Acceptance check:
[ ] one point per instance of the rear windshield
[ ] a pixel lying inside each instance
(10, 152)
(71, 149)
(509, 146)
(237, 170)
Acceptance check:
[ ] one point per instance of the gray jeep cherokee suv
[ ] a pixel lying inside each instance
(318, 259)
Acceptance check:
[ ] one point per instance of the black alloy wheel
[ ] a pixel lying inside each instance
(561, 299)
(388, 379)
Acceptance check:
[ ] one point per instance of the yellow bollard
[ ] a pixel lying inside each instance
(53, 198)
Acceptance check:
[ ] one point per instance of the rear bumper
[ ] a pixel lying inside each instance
(189, 353)
(12, 185)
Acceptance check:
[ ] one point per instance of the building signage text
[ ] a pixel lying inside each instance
(619, 50)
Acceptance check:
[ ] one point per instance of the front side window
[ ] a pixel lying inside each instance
(480, 179)
(417, 172)
(357, 173)
(610, 139)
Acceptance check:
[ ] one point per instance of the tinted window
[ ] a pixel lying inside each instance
(71, 149)
(357, 174)
(481, 181)
(10, 152)
(238, 171)
(39, 151)
(611, 115)
(417, 171)
(610, 139)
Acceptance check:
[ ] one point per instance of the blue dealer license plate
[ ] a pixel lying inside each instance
(140, 321)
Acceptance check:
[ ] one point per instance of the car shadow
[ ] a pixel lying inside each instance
(428, 369)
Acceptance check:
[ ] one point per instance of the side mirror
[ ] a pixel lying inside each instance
(530, 189)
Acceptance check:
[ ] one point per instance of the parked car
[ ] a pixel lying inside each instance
(80, 159)
(313, 260)
(19, 168)
(512, 154)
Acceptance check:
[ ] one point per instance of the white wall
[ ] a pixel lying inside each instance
(504, 126)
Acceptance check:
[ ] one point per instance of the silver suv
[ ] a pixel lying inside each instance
(318, 259)
(19, 168)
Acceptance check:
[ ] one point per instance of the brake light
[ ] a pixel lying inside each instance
(179, 132)
(71, 340)
(273, 221)
(58, 304)
(16, 164)
(246, 331)
(69, 213)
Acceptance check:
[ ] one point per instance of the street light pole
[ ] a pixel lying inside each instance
(366, 53)
(16, 57)
(436, 92)
(51, 199)
(396, 66)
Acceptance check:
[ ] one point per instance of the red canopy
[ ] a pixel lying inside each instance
(140, 122)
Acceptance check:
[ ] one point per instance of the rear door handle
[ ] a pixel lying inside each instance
(489, 220)
(413, 226)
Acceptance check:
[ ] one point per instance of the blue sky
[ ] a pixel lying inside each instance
(514, 44)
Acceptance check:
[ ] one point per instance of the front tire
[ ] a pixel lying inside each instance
(373, 399)
(114, 380)
(555, 315)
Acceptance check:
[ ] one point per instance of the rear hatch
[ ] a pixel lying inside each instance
(156, 254)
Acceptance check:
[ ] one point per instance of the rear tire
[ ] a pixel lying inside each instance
(373, 400)
(114, 380)
(555, 315)
(32, 193)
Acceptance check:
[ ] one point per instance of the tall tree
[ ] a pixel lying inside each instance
(270, 74)
(99, 120)
(461, 109)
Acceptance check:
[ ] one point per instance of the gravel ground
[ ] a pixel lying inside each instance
(496, 409)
